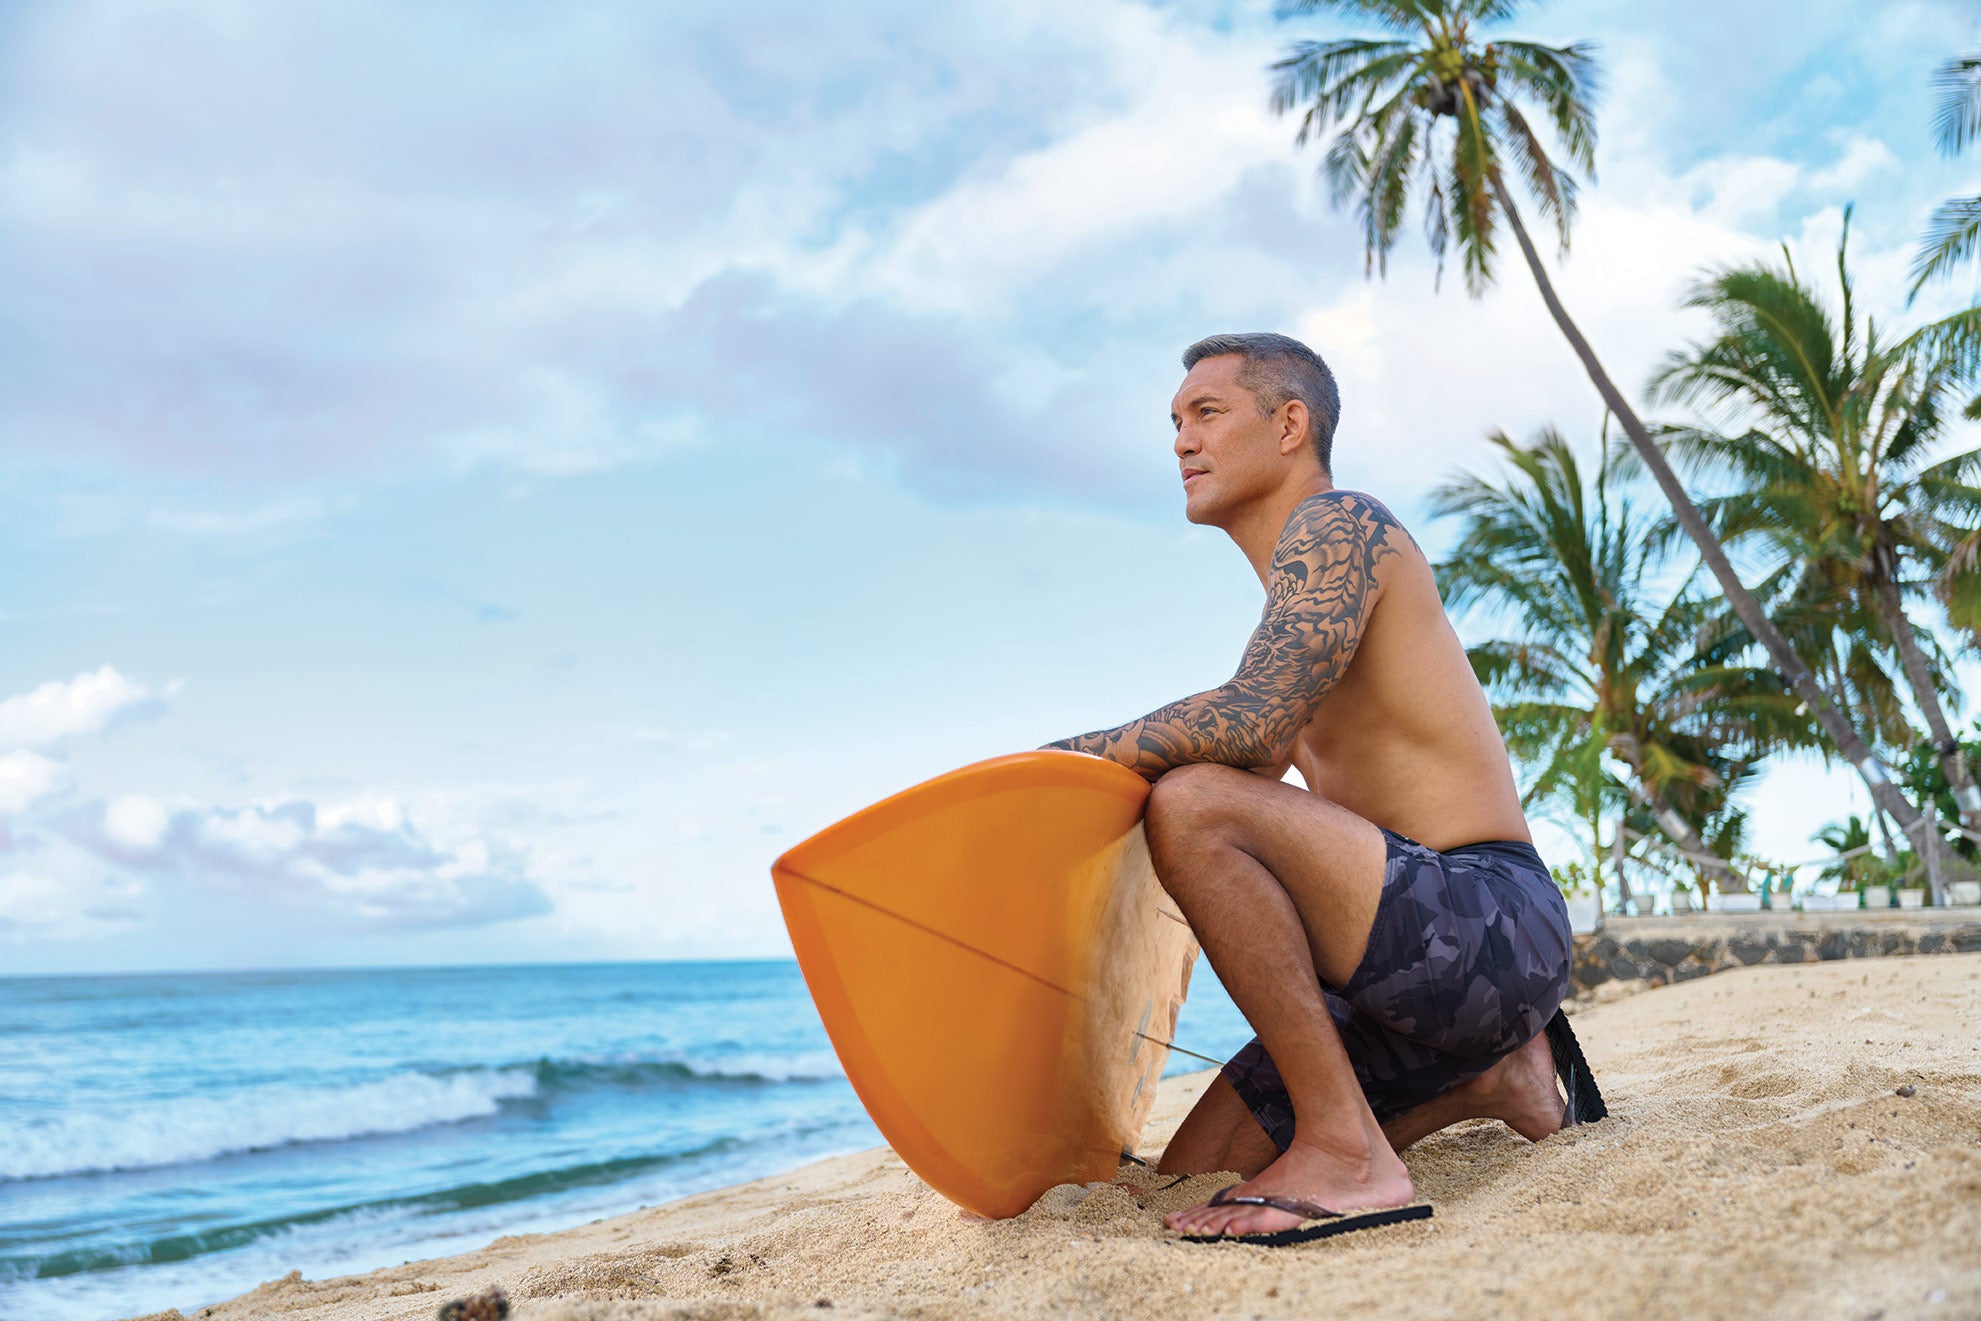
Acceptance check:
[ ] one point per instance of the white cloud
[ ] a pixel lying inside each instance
(1863, 159)
(62, 709)
(1196, 121)
(361, 864)
(27, 776)
(134, 821)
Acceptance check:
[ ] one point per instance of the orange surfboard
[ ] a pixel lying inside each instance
(998, 970)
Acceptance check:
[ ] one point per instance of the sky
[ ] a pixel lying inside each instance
(478, 482)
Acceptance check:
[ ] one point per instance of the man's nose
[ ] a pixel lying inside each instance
(1184, 446)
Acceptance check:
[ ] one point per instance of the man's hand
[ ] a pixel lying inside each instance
(1320, 591)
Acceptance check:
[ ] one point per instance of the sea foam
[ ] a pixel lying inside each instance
(196, 1128)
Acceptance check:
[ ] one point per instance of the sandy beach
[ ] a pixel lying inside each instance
(1759, 1161)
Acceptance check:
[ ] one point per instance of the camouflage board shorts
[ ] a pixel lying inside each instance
(1467, 962)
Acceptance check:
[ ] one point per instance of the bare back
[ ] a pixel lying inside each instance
(1405, 738)
(1355, 677)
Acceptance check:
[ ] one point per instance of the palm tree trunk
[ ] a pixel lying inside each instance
(1616, 863)
(1885, 833)
(1953, 762)
(1759, 627)
(1710, 865)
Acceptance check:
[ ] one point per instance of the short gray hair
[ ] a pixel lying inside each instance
(1278, 368)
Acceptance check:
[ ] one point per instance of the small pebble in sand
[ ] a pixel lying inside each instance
(488, 1305)
(1908, 1090)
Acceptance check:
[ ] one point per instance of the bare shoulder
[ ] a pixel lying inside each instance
(1336, 525)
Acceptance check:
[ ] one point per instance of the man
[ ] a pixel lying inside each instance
(1389, 931)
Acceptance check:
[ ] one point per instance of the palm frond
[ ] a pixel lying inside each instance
(1553, 189)
(1396, 15)
(1957, 117)
(1474, 170)
(1953, 234)
(1386, 190)
(1567, 83)
(1330, 77)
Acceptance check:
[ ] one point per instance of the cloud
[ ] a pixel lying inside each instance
(25, 777)
(360, 864)
(59, 709)
(948, 408)
(287, 244)
(961, 245)
(1184, 138)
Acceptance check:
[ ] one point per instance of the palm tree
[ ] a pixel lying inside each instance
(1835, 470)
(1954, 232)
(1391, 97)
(1921, 773)
(1604, 663)
(1855, 865)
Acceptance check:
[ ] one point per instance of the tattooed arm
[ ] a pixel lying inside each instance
(1319, 593)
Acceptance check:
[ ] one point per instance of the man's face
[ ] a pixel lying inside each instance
(1227, 454)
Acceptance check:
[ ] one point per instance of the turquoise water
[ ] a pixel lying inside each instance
(170, 1141)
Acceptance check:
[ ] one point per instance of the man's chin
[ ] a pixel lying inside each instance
(1202, 512)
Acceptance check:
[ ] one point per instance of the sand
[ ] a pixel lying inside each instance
(1758, 1161)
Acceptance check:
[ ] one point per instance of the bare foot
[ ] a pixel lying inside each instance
(1520, 1091)
(1368, 1179)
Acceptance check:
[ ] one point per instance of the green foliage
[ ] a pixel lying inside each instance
(1924, 777)
(1867, 869)
(1609, 661)
(1829, 448)
(1953, 235)
(1391, 99)
(1574, 877)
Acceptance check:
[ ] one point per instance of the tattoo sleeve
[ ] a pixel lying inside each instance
(1319, 593)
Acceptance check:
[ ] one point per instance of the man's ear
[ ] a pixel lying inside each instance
(1293, 430)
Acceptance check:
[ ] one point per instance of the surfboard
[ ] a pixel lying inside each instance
(998, 970)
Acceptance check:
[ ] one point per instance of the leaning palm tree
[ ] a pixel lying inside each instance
(1604, 663)
(1954, 232)
(1391, 98)
(1831, 447)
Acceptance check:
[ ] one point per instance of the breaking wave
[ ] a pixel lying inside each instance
(196, 1128)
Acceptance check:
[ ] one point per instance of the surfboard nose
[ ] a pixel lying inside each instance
(981, 948)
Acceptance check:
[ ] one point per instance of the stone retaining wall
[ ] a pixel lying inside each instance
(1659, 951)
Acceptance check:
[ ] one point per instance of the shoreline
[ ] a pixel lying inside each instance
(1759, 1160)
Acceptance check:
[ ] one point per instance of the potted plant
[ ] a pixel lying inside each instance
(1681, 898)
(1885, 878)
(1909, 886)
(1735, 901)
(1863, 878)
(1584, 900)
(1778, 890)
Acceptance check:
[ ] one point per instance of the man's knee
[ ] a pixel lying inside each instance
(1191, 809)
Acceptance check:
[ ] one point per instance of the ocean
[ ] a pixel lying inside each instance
(174, 1140)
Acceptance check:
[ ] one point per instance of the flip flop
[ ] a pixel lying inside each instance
(1585, 1100)
(1330, 1222)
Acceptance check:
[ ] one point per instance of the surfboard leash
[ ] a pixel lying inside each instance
(1171, 1045)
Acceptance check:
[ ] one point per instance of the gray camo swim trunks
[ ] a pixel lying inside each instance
(1467, 962)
